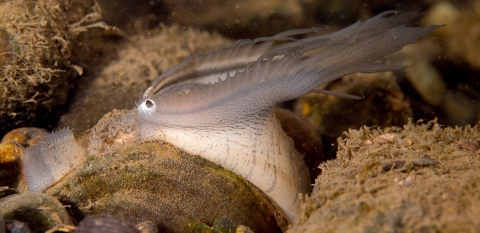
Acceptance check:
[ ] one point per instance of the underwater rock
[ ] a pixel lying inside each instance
(436, 190)
(39, 44)
(105, 224)
(11, 166)
(39, 211)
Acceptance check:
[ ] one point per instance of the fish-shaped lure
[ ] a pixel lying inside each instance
(219, 105)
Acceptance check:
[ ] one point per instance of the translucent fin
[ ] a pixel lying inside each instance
(338, 94)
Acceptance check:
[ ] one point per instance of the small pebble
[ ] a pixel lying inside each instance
(424, 161)
(15, 226)
(468, 145)
(393, 165)
(105, 224)
(407, 182)
(385, 138)
(409, 142)
(449, 138)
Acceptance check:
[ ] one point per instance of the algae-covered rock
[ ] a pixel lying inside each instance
(416, 179)
(39, 45)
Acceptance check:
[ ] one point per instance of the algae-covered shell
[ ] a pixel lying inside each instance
(154, 181)
(11, 172)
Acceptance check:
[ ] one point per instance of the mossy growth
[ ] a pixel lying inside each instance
(419, 178)
(38, 44)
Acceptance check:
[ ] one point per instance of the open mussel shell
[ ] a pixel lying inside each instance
(156, 182)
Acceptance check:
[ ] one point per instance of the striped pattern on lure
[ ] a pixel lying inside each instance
(219, 105)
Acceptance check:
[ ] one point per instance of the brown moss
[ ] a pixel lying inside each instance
(37, 43)
(436, 190)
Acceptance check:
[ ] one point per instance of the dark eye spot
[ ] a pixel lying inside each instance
(149, 103)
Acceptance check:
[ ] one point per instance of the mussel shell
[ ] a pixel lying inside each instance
(156, 182)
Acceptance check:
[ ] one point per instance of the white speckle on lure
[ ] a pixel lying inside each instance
(219, 105)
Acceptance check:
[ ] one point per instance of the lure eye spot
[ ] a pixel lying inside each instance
(149, 103)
